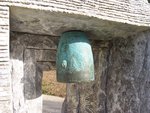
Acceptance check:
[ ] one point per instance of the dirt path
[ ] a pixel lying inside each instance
(52, 104)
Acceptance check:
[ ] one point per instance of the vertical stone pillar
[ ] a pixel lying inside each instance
(122, 82)
(5, 76)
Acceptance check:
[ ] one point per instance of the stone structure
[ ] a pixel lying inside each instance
(30, 55)
(119, 31)
(122, 82)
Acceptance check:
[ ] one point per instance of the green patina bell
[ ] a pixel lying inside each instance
(74, 58)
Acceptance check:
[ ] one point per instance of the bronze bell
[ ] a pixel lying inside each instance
(74, 58)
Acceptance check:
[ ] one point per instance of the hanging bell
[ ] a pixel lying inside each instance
(74, 62)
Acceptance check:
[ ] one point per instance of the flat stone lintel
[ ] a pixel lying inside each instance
(54, 23)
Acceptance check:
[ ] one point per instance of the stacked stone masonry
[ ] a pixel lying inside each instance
(5, 77)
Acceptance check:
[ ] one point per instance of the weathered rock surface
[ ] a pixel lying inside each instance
(121, 70)
(124, 11)
(30, 55)
(122, 82)
(55, 23)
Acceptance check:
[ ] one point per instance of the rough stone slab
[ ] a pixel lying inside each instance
(45, 55)
(55, 23)
(33, 41)
(128, 80)
(130, 11)
(46, 65)
(18, 86)
(122, 79)
(16, 49)
(30, 78)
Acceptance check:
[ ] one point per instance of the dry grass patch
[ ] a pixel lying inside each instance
(50, 86)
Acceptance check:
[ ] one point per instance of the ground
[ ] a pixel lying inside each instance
(50, 86)
(52, 104)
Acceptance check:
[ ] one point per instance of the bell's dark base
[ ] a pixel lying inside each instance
(75, 78)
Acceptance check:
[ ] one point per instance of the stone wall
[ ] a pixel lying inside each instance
(109, 86)
(121, 72)
(30, 55)
(122, 82)
(5, 76)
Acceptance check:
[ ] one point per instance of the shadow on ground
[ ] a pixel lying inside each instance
(52, 104)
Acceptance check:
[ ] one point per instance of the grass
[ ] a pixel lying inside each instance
(50, 86)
